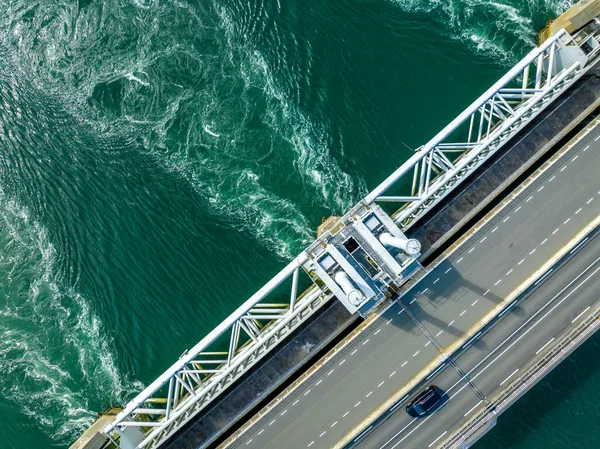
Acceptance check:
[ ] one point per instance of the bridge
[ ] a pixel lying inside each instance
(467, 318)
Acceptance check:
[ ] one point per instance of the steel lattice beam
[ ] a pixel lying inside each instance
(257, 326)
(481, 130)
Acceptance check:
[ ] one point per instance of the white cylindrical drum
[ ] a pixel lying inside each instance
(409, 246)
(354, 296)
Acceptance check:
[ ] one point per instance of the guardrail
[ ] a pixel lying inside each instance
(523, 383)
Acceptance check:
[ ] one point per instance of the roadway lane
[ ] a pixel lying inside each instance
(453, 297)
(514, 341)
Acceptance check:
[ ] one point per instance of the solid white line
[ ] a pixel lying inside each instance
(578, 245)
(436, 371)
(542, 348)
(509, 376)
(474, 407)
(579, 316)
(436, 440)
(471, 339)
(544, 276)
(501, 344)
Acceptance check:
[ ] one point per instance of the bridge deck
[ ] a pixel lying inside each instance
(470, 282)
(440, 226)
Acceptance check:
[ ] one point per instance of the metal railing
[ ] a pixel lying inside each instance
(481, 130)
(257, 326)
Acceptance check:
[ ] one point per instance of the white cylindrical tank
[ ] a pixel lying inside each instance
(409, 246)
(354, 296)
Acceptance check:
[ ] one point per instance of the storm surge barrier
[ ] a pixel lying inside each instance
(208, 369)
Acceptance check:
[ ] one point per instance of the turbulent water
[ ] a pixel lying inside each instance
(160, 160)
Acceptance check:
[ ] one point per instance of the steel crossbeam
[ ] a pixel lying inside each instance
(481, 130)
(257, 326)
(202, 373)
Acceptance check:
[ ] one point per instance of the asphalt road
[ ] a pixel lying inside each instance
(501, 352)
(448, 301)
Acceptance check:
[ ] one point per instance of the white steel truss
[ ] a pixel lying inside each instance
(257, 326)
(206, 370)
(484, 127)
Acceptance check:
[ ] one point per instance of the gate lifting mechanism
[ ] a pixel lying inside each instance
(360, 256)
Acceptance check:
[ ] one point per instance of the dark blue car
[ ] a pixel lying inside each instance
(425, 402)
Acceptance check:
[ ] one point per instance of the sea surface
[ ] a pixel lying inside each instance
(161, 160)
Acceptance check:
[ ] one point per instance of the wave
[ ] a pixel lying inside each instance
(501, 30)
(206, 101)
(57, 367)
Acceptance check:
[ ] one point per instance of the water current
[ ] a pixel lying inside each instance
(161, 160)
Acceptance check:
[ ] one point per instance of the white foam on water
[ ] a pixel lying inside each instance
(498, 29)
(57, 364)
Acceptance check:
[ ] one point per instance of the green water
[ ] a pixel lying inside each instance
(161, 160)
